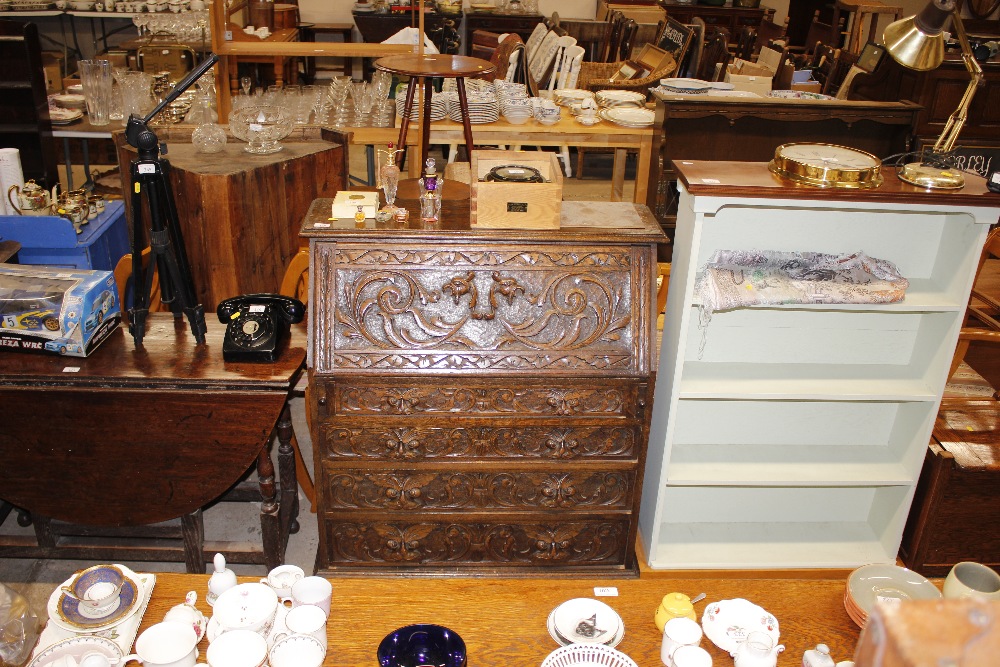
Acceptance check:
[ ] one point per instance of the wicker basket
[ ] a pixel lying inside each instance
(597, 76)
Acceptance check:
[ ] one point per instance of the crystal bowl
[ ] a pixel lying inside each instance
(262, 127)
(422, 644)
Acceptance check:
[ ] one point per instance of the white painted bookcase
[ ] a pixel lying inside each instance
(795, 439)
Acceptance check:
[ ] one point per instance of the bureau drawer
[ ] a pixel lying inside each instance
(523, 309)
(475, 490)
(410, 442)
(482, 398)
(469, 544)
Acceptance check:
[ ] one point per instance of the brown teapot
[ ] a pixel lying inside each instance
(33, 198)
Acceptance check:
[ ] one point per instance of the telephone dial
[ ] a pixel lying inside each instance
(256, 323)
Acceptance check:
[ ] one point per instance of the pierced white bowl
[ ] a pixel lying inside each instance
(587, 655)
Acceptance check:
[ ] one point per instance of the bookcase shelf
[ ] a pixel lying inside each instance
(792, 436)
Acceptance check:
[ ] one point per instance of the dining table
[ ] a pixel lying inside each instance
(505, 621)
(566, 132)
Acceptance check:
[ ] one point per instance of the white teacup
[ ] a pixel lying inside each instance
(312, 590)
(238, 648)
(677, 632)
(296, 651)
(281, 579)
(166, 644)
(306, 619)
(691, 656)
(972, 580)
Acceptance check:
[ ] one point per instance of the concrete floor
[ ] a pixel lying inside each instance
(36, 579)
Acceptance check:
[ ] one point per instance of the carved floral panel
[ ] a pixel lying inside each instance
(443, 542)
(407, 490)
(479, 399)
(563, 308)
(406, 443)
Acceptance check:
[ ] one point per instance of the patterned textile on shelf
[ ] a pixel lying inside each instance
(739, 278)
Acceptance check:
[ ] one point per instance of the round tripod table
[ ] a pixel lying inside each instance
(425, 68)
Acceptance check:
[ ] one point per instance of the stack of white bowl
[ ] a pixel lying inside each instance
(514, 103)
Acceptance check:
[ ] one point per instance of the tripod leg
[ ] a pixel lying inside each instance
(194, 310)
(140, 291)
(163, 247)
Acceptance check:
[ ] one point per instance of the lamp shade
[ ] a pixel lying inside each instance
(917, 42)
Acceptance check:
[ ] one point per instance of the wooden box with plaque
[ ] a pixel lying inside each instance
(479, 399)
(516, 190)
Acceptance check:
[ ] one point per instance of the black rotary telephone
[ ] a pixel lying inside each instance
(256, 324)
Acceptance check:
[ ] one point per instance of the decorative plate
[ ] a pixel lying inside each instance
(587, 655)
(798, 95)
(65, 611)
(562, 641)
(631, 117)
(888, 583)
(586, 621)
(77, 647)
(728, 622)
(60, 116)
(686, 85)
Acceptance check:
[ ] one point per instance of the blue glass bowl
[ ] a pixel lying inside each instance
(422, 644)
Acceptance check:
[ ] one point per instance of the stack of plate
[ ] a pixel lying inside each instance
(620, 98)
(685, 86)
(887, 584)
(362, 8)
(798, 95)
(629, 116)
(60, 116)
(482, 109)
(585, 621)
(29, 5)
(439, 106)
(70, 101)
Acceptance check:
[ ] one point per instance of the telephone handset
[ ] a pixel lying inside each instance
(256, 323)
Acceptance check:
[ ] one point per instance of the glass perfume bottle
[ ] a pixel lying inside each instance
(388, 177)
(430, 193)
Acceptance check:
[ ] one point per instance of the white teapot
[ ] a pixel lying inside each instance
(758, 650)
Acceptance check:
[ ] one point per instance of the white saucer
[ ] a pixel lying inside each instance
(728, 622)
(593, 120)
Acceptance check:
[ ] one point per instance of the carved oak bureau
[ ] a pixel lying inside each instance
(479, 398)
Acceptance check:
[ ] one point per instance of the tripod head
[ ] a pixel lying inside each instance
(137, 132)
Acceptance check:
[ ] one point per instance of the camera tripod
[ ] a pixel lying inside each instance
(149, 175)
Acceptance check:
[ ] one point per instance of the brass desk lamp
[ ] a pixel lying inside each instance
(917, 43)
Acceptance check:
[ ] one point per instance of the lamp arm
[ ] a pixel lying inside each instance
(946, 142)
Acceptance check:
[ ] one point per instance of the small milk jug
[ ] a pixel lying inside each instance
(818, 657)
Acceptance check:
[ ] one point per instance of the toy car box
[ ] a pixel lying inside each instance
(63, 311)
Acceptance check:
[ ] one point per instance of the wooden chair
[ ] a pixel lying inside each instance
(612, 37)
(626, 40)
(982, 325)
(123, 278)
(769, 32)
(295, 284)
(715, 57)
(692, 57)
(746, 41)
(824, 64)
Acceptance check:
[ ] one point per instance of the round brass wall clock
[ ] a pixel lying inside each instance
(827, 166)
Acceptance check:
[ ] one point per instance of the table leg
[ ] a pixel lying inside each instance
(618, 174)
(404, 124)
(463, 104)
(279, 71)
(425, 137)
(69, 164)
(642, 170)
(193, 534)
(88, 183)
(234, 76)
(289, 500)
(270, 521)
